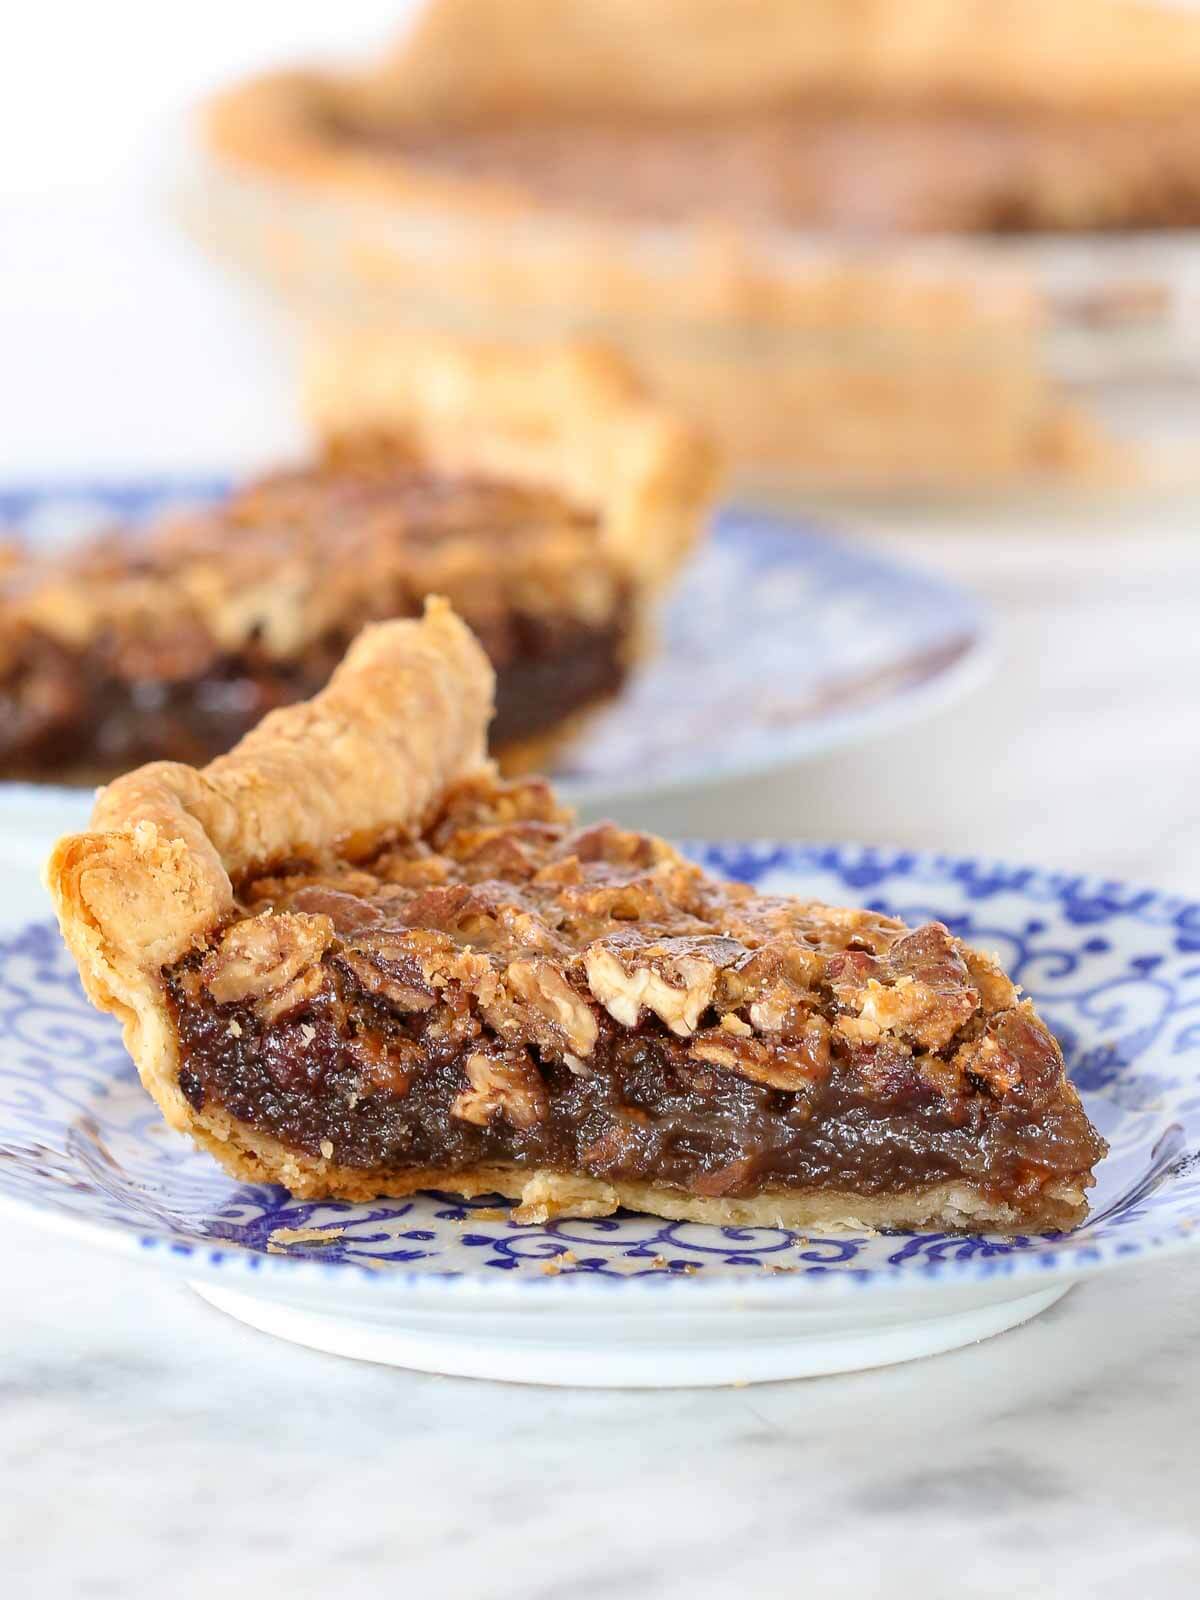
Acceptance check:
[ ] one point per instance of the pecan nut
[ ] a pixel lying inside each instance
(675, 979)
(502, 1085)
(272, 961)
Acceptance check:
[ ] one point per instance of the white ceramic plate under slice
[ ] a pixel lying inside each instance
(445, 1286)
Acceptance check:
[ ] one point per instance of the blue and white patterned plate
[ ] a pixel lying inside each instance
(790, 640)
(435, 1282)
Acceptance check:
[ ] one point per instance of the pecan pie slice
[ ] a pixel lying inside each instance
(546, 498)
(350, 959)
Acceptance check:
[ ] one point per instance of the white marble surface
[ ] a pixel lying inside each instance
(149, 1447)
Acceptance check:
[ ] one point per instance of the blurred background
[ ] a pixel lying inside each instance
(124, 349)
(128, 350)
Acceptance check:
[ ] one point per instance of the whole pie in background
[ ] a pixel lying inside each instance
(351, 960)
(743, 196)
(543, 495)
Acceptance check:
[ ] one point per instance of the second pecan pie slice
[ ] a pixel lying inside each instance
(351, 960)
(544, 495)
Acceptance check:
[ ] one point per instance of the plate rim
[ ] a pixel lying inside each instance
(1017, 1267)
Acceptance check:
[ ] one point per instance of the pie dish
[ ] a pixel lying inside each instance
(349, 959)
(547, 498)
(742, 198)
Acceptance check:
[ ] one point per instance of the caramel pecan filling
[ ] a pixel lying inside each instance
(172, 643)
(508, 988)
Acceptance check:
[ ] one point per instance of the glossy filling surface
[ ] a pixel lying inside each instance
(508, 989)
(898, 169)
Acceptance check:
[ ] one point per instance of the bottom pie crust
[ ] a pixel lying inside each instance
(544, 1195)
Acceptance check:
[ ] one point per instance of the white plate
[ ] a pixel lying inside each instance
(439, 1284)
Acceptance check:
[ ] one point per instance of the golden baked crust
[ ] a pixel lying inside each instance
(350, 961)
(544, 1194)
(472, 57)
